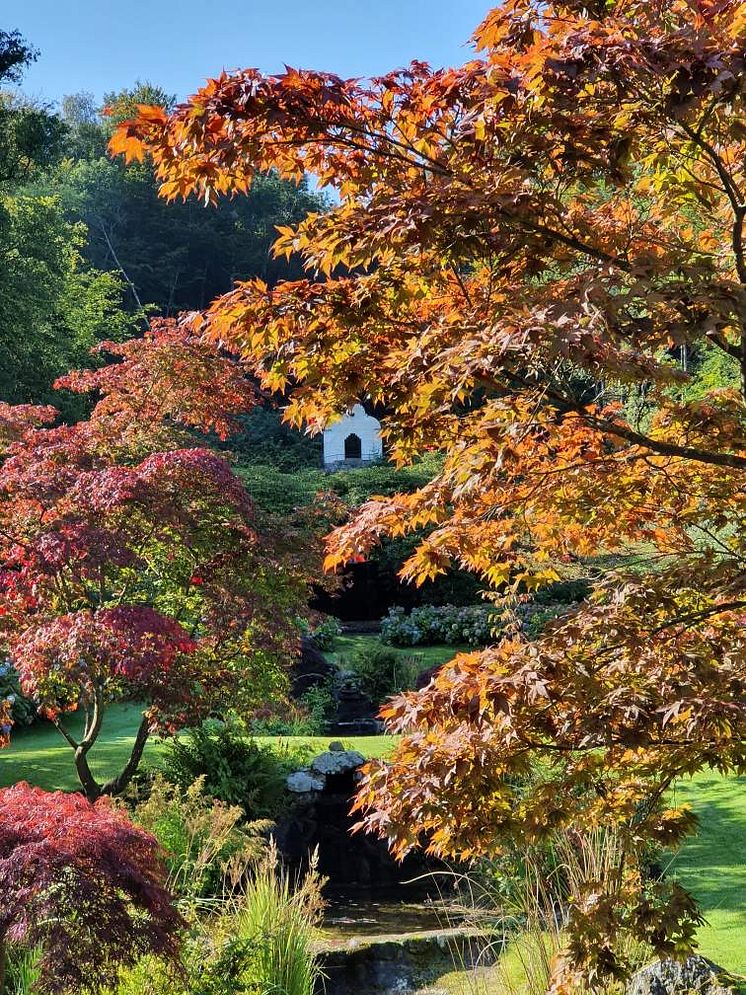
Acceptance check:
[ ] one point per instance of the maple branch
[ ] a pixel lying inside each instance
(625, 432)
(729, 185)
(666, 448)
(698, 616)
(63, 732)
(117, 784)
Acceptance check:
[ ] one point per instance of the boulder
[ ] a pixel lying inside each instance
(425, 676)
(311, 669)
(337, 762)
(670, 977)
(303, 782)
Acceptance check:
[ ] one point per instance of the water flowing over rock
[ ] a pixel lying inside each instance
(320, 820)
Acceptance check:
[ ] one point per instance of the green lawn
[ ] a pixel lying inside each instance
(40, 755)
(712, 865)
(345, 647)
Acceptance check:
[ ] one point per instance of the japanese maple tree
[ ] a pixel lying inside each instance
(131, 561)
(518, 251)
(81, 885)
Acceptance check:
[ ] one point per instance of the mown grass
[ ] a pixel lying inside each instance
(345, 648)
(40, 755)
(712, 865)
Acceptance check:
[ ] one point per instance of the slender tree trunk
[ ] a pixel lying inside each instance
(91, 787)
(117, 784)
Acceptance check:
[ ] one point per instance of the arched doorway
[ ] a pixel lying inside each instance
(353, 447)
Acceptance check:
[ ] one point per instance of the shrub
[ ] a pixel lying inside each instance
(275, 923)
(208, 845)
(534, 618)
(309, 716)
(326, 633)
(565, 592)
(383, 672)
(23, 709)
(234, 768)
(261, 943)
(474, 624)
(83, 885)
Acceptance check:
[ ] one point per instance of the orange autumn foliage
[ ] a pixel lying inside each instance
(516, 247)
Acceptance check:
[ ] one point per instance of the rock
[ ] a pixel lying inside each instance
(670, 977)
(337, 762)
(311, 669)
(425, 676)
(336, 746)
(387, 965)
(303, 782)
(353, 704)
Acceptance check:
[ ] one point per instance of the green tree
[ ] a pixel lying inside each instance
(175, 257)
(29, 133)
(52, 309)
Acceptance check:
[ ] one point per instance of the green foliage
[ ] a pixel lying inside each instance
(22, 971)
(233, 768)
(357, 485)
(535, 617)
(326, 633)
(23, 711)
(176, 256)
(566, 592)
(457, 587)
(475, 625)
(309, 716)
(261, 943)
(52, 309)
(265, 439)
(276, 490)
(122, 104)
(208, 844)
(15, 55)
(383, 672)
(712, 369)
(276, 922)
(31, 137)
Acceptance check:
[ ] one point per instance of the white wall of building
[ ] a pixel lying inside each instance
(357, 422)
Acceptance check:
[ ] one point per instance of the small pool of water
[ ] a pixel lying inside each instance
(346, 915)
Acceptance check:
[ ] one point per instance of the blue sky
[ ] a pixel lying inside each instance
(101, 45)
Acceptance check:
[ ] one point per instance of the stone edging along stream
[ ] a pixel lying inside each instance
(382, 965)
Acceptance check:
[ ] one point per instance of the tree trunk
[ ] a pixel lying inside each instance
(91, 787)
(117, 784)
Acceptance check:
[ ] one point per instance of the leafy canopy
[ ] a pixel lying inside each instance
(83, 886)
(131, 559)
(517, 244)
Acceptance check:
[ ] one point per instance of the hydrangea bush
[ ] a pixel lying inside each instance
(22, 709)
(475, 625)
(326, 633)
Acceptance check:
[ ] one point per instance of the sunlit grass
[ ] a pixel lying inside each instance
(41, 756)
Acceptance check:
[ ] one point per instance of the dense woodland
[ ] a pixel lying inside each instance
(88, 249)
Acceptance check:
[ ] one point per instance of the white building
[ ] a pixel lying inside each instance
(352, 440)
